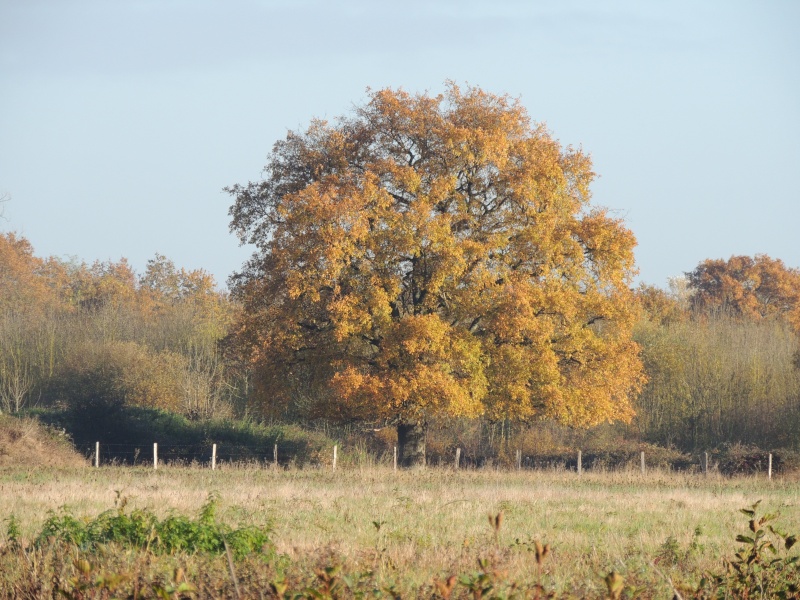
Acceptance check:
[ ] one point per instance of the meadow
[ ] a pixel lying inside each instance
(386, 533)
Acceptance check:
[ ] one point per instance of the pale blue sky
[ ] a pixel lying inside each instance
(121, 121)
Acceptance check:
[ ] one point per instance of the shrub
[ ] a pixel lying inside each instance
(761, 567)
(186, 440)
(741, 459)
(141, 529)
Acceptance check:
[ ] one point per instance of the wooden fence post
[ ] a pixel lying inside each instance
(769, 467)
(580, 462)
(643, 469)
(213, 457)
(275, 455)
(704, 463)
(519, 460)
(458, 457)
(395, 458)
(97, 454)
(155, 456)
(334, 457)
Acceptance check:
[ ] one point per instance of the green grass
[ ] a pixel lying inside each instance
(406, 529)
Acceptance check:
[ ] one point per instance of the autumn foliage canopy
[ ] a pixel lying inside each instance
(98, 337)
(752, 287)
(435, 255)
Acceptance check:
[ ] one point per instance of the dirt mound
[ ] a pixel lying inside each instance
(26, 442)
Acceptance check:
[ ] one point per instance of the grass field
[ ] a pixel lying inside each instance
(409, 528)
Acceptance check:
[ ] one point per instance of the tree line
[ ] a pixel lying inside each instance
(425, 258)
(98, 337)
(721, 348)
(720, 368)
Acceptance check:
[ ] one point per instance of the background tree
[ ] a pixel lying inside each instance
(660, 306)
(28, 303)
(434, 255)
(17, 370)
(99, 337)
(719, 379)
(721, 354)
(755, 288)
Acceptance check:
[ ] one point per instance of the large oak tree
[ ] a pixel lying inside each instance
(433, 255)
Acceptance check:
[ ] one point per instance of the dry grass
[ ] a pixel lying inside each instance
(28, 443)
(413, 526)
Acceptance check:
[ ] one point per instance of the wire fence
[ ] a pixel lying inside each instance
(212, 454)
(141, 454)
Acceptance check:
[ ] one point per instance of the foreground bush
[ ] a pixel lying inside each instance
(761, 568)
(142, 530)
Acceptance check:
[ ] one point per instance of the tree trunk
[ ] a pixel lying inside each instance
(411, 444)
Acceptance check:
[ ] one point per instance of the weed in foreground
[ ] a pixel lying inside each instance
(761, 568)
(141, 529)
(671, 554)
